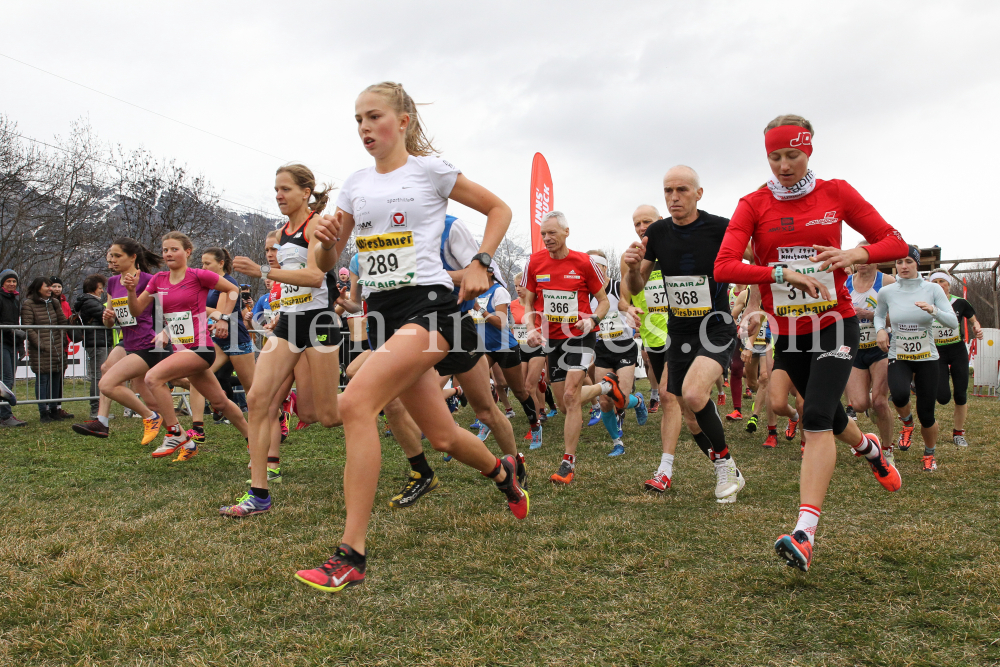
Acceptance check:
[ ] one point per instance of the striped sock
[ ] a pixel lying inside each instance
(808, 520)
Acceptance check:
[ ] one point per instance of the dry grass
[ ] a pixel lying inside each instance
(109, 557)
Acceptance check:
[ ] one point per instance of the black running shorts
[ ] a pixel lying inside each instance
(616, 355)
(570, 354)
(719, 344)
(310, 328)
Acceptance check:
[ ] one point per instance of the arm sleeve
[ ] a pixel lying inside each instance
(943, 312)
(207, 279)
(442, 175)
(93, 311)
(729, 266)
(882, 309)
(27, 319)
(885, 243)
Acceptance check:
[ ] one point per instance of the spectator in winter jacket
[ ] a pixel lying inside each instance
(57, 294)
(90, 307)
(10, 341)
(46, 347)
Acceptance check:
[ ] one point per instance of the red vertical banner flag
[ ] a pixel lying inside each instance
(541, 199)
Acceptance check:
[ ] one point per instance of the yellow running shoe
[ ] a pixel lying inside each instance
(186, 454)
(151, 428)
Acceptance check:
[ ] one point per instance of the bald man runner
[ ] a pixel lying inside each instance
(702, 332)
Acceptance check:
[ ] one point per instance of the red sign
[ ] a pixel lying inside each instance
(541, 199)
(398, 219)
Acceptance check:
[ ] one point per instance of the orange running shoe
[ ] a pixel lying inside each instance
(565, 473)
(659, 483)
(930, 465)
(792, 427)
(884, 472)
(721, 400)
(186, 454)
(905, 438)
(617, 396)
(771, 442)
(151, 428)
(735, 416)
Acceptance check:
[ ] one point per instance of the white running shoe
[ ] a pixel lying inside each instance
(961, 441)
(171, 443)
(741, 482)
(727, 478)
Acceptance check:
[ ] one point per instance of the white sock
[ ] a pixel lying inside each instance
(808, 520)
(795, 417)
(666, 464)
(654, 395)
(867, 449)
(103, 420)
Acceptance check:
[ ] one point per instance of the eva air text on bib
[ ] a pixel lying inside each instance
(122, 313)
(913, 343)
(688, 296)
(560, 306)
(387, 261)
(520, 332)
(791, 301)
(655, 294)
(180, 326)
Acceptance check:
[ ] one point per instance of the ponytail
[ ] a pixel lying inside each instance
(146, 260)
(417, 141)
(304, 178)
(221, 256)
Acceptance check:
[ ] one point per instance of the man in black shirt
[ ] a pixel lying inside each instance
(702, 335)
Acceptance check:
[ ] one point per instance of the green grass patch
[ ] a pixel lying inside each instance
(108, 557)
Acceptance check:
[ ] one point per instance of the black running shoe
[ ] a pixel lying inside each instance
(517, 497)
(415, 487)
(522, 471)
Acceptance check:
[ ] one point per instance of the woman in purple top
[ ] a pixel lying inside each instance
(183, 347)
(125, 362)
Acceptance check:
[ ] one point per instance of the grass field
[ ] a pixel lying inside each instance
(108, 557)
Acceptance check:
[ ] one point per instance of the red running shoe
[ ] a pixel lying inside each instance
(659, 483)
(517, 497)
(654, 404)
(344, 569)
(721, 400)
(795, 549)
(884, 472)
(771, 441)
(735, 415)
(792, 427)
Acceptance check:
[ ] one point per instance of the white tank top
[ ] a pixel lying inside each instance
(293, 255)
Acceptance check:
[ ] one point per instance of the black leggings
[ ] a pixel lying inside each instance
(925, 377)
(954, 364)
(819, 367)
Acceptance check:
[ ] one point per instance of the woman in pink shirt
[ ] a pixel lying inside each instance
(183, 347)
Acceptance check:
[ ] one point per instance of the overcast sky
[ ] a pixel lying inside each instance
(904, 96)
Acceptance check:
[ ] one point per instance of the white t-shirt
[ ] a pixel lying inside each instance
(399, 220)
(461, 246)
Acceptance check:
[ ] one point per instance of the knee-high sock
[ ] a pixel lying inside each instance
(711, 425)
(736, 382)
(610, 420)
(529, 410)
(704, 443)
(549, 399)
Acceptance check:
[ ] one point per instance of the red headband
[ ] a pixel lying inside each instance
(788, 136)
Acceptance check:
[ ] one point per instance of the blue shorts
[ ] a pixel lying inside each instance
(226, 344)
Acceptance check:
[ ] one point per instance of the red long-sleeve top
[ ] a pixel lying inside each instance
(815, 219)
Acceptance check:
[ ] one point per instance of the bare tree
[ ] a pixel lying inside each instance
(982, 294)
(512, 255)
(22, 196)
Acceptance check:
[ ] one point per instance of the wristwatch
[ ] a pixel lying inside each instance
(264, 270)
(484, 259)
(226, 317)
